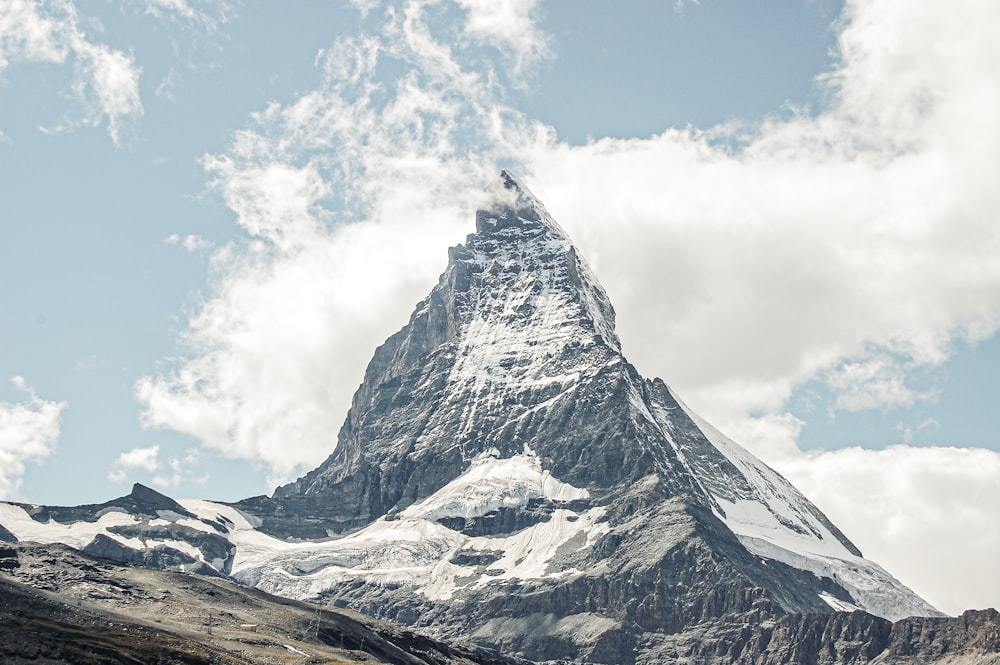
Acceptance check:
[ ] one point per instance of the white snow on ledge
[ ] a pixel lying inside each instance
(837, 604)
(491, 483)
(872, 588)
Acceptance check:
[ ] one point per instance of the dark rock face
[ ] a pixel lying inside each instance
(6, 536)
(8, 558)
(976, 634)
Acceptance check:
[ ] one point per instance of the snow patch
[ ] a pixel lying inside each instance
(76, 534)
(491, 483)
(837, 604)
(414, 550)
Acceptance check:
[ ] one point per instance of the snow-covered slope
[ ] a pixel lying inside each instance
(775, 521)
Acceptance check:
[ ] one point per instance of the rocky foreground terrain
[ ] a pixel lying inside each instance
(58, 605)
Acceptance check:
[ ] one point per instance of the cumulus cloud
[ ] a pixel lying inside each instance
(852, 246)
(856, 238)
(29, 431)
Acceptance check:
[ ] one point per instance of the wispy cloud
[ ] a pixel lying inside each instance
(874, 383)
(317, 285)
(180, 469)
(190, 242)
(165, 474)
(29, 431)
(207, 14)
(105, 84)
(167, 89)
(106, 80)
(511, 26)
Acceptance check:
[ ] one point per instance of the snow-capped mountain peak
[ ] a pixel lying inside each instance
(504, 475)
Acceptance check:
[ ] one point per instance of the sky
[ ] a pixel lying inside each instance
(213, 211)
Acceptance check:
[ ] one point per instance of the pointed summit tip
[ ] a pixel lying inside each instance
(507, 203)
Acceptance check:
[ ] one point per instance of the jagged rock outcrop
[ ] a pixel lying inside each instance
(973, 637)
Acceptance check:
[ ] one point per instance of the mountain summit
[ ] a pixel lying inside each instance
(505, 477)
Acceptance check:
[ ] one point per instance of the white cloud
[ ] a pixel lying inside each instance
(907, 431)
(144, 459)
(29, 431)
(28, 34)
(509, 25)
(927, 515)
(163, 474)
(204, 15)
(180, 470)
(108, 84)
(863, 232)
(167, 89)
(299, 308)
(875, 383)
(855, 245)
(106, 80)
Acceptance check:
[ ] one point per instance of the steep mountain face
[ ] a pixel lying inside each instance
(507, 479)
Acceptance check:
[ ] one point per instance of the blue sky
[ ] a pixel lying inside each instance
(213, 211)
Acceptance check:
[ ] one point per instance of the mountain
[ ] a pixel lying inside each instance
(506, 479)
